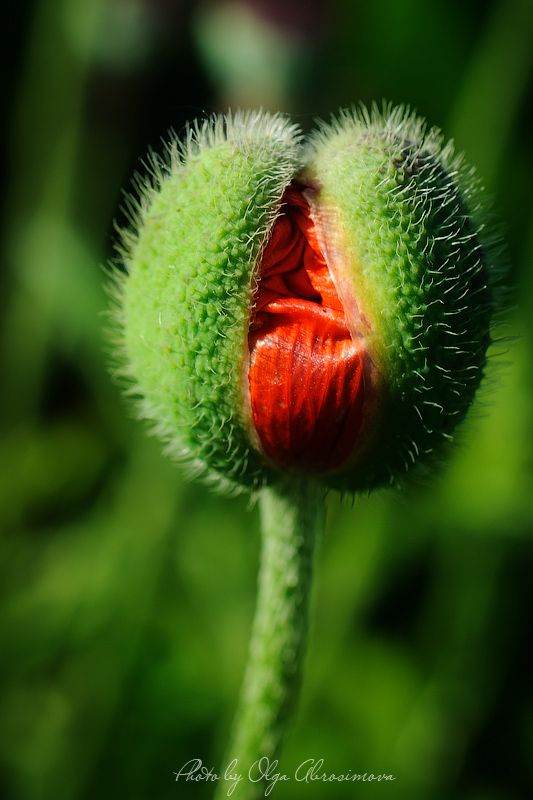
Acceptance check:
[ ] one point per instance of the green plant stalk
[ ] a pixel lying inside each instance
(291, 519)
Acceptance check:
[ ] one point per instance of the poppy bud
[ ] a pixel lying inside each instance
(319, 308)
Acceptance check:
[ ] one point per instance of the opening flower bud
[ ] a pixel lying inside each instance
(309, 379)
(320, 308)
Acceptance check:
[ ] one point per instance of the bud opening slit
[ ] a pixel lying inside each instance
(306, 374)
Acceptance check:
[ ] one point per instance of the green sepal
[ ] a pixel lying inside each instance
(185, 306)
(405, 216)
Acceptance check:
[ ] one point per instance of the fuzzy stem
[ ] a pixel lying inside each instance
(291, 518)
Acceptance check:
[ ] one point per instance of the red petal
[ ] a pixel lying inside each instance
(306, 373)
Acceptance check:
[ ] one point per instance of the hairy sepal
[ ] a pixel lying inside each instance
(405, 241)
(185, 306)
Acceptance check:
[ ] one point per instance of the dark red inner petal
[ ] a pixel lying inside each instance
(306, 372)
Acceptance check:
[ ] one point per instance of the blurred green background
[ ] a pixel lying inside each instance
(126, 594)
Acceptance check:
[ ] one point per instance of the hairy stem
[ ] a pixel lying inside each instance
(291, 518)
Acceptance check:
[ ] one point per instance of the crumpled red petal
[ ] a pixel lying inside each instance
(306, 374)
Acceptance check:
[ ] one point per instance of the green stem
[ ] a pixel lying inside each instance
(291, 518)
